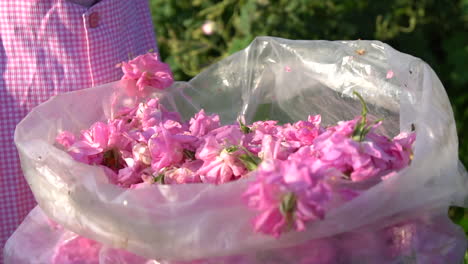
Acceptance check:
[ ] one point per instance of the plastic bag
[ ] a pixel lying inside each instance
(39, 240)
(275, 78)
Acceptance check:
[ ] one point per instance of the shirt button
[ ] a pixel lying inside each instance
(93, 20)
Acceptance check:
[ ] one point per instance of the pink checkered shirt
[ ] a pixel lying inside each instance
(50, 47)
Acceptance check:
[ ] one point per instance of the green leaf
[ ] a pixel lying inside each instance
(364, 109)
(238, 44)
(250, 162)
(246, 16)
(288, 204)
(456, 214)
(361, 129)
(159, 179)
(232, 149)
(245, 129)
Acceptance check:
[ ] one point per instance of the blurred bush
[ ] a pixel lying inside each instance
(434, 30)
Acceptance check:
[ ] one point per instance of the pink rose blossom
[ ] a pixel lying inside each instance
(65, 139)
(96, 138)
(92, 144)
(141, 153)
(219, 164)
(202, 123)
(228, 135)
(401, 150)
(357, 160)
(287, 194)
(165, 150)
(130, 173)
(302, 133)
(263, 128)
(274, 148)
(152, 114)
(148, 72)
(77, 249)
(187, 173)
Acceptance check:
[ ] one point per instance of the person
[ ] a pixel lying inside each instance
(56, 46)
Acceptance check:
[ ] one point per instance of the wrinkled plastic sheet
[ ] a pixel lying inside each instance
(272, 78)
(420, 240)
(42, 241)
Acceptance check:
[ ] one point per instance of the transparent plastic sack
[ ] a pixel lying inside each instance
(39, 240)
(273, 78)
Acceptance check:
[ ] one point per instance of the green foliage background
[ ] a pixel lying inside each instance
(434, 30)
